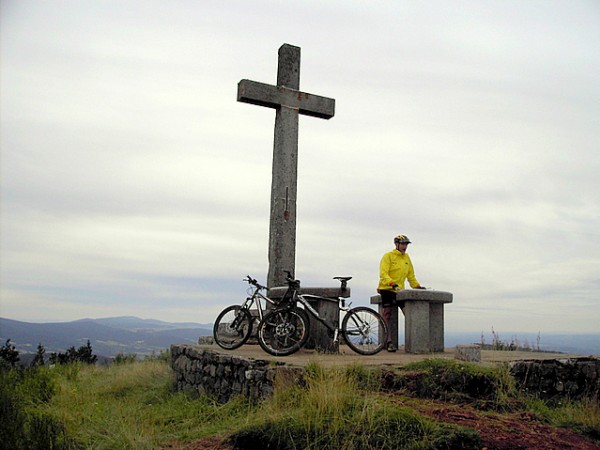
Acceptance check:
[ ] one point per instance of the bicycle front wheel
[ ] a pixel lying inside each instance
(364, 330)
(232, 327)
(283, 331)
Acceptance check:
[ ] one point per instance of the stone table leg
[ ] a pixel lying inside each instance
(320, 338)
(436, 327)
(416, 327)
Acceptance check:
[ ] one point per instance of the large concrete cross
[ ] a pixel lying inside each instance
(288, 102)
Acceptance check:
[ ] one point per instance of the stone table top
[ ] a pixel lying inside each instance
(424, 294)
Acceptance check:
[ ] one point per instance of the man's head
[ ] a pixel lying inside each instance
(401, 242)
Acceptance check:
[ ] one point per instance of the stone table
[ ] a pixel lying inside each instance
(423, 319)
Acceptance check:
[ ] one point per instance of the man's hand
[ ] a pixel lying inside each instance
(420, 287)
(394, 286)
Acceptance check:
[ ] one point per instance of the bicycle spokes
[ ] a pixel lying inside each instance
(232, 328)
(364, 331)
(283, 332)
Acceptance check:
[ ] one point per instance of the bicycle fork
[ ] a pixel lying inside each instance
(336, 335)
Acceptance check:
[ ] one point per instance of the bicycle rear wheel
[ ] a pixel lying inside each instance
(364, 330)
(232, 327)
(283, 331)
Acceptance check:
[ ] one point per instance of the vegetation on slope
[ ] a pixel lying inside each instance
(132, 406)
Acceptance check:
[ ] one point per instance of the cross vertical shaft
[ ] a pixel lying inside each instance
(288, 102)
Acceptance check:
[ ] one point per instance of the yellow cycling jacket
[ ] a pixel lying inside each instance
(396, 267)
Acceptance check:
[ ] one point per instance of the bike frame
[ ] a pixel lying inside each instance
(303, 298)
(257, 296)
(256, 299)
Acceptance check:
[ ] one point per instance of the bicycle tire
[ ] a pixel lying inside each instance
(364, 330)
(232, 327)
(283, 331)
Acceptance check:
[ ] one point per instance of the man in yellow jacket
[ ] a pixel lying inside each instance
(395, 268)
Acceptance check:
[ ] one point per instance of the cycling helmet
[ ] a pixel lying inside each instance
(401, 239)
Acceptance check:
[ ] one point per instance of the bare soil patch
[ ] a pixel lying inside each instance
(506, 431)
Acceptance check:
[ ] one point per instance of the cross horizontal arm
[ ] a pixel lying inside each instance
(276, 96)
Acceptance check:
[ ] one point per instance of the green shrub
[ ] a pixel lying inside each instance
(38, 385)
(336, 410)
(386, 427)
(9, 356)
(582, 416)
(122, 358)
(24, 426)
(83, 354)
(451, 380)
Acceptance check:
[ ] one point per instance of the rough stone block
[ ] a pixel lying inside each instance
(468, 352)
(417, 330)
(320, 338)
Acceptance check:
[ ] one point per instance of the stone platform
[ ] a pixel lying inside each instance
(248, 371)
(346, 356)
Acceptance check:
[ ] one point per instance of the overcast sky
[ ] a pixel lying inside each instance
(134, 183)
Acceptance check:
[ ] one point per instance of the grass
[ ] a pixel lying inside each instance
(514, 344)
(582, 416)
(335, 411)
(451, 380)
(132, 406)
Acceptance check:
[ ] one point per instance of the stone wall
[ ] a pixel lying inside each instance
(570, 377)
(223, 376)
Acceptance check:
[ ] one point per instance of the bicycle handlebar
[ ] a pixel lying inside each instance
(253, 282)
(289, 278)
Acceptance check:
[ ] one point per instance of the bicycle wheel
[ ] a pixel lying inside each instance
(232, 327)
(283, 331)
(364, 330)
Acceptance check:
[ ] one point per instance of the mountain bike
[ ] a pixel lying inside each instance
(233, 326)
(284, 330)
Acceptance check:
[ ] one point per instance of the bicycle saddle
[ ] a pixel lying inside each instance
(342, 278)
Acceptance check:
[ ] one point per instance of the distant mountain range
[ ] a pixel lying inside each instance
(572, 343)
(131, 335)
(108, 336)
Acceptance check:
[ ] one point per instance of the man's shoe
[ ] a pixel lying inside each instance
(391, 347)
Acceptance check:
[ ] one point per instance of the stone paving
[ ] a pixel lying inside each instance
(347, 357)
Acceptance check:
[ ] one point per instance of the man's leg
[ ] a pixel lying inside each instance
(387, 317)
(401, 304)
(387, 301)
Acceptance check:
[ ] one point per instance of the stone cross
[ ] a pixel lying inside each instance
(288, 101)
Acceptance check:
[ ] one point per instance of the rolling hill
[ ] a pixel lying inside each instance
(108, 336)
